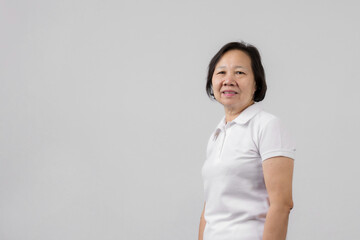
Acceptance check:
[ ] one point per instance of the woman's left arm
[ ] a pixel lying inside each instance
(278, 173)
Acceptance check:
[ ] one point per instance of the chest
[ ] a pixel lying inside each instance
(233, 153)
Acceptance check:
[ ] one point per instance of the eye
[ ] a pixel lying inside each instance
(239, 72)
(221, 72)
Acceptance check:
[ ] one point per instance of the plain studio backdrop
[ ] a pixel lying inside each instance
(104, 117)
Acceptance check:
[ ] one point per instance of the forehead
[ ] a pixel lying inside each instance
(235, 57)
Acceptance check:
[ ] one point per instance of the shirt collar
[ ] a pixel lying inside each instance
(248, 113)
(243, 117)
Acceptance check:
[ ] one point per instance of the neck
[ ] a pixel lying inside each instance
(232, 113)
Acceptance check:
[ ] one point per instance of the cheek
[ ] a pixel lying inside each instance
(250, 86)
(215, 84)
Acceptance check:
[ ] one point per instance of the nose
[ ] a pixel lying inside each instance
(229, 80)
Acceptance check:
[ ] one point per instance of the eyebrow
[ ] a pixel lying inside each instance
(234, 67)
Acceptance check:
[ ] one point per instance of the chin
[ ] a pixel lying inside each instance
(229, 105)
(229, 102)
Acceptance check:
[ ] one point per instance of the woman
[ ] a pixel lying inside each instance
(249, 163)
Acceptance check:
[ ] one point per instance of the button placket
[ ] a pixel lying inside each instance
(223, 138)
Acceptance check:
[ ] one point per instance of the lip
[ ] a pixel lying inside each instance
(232, 93)
(228, 90)
(229, 94)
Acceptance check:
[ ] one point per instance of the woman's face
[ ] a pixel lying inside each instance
(233, 80)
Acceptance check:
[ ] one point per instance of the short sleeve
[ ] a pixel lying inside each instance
(275, 140)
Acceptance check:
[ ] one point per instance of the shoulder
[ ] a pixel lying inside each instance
(268, 125)
(272, 136)
(263, 118)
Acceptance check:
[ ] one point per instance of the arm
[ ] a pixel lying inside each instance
(202, 224)
(278, 172)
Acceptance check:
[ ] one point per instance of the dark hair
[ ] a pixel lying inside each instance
(257, 68)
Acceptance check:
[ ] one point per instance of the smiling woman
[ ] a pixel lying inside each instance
(255, 66)
(249, 162)
(233, 82)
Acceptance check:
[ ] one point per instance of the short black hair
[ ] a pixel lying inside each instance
(257, 68)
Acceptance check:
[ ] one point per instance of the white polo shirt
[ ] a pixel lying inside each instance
(234, 187)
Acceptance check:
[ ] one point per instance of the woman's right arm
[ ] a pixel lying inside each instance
(202, 224)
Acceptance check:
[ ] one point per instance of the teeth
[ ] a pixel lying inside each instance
(229, 92)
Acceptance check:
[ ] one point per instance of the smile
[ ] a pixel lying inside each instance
(229, 93)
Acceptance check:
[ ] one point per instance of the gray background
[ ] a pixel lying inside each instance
(104, 118)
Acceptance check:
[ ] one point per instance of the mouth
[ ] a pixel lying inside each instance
(229, 93)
